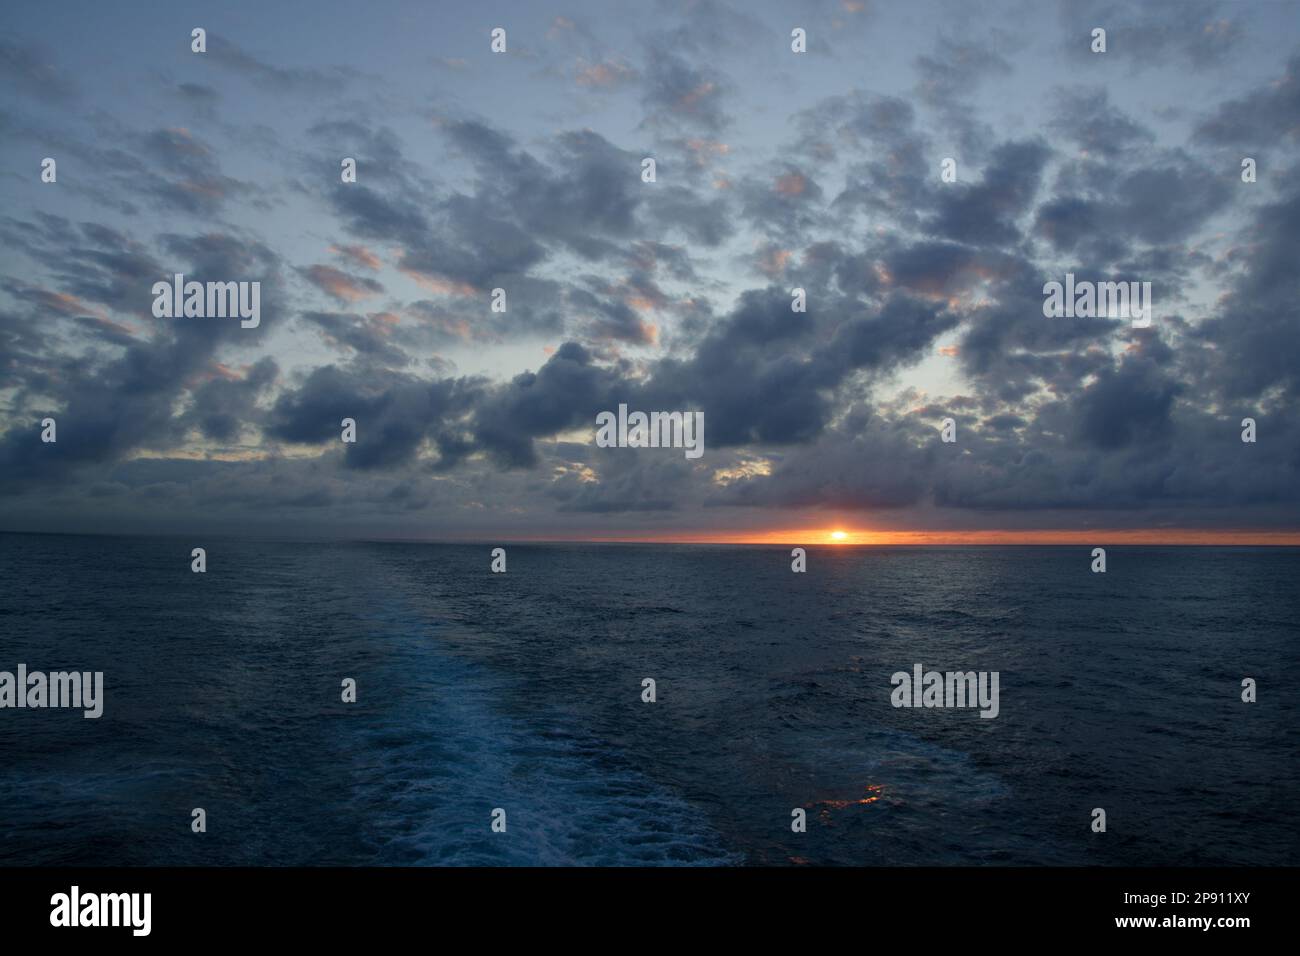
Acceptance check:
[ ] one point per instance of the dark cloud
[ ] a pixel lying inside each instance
(1192, 33)
(679, 93)
(1254, 331)
(956, 68)
(30, 69)
(395, 415)
(565, 393)
(948, 78)
(785, 204)
(1086, 117)
(1262, 117)
(122, 401)
(186, 174)
(613, 318)
(224, 405)
(886, 153)
(227, 55)
(673, 295)
(1166, 197)
(761, 377)
(1126, 404)
(200, 98)
(372, 336)
(987, 213)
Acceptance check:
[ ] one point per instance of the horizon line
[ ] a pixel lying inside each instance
(829, 537)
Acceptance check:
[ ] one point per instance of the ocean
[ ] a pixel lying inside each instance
(523, 691)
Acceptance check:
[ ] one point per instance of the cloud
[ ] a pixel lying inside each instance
(1194, 34)
(677, 93)
(357, 256)
(1262, 117)
(222, 407)
(30, 69)
(396, 414)
(924, 297)
(605, 75)
(227, 55)
(986, 213)
(341, 285)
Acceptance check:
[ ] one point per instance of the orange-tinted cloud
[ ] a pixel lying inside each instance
(344, 287)
(605, 75)
(358, 255)
(791, 184)
(439, 285)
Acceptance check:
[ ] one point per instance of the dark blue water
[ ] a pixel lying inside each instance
(523, 691)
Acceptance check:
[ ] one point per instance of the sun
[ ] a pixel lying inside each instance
(838, 536)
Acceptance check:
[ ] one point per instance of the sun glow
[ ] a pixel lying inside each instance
(819, 534)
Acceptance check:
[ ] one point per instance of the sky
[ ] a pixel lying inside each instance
(774, 170)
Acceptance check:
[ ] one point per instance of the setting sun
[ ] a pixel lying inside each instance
(838, 536)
